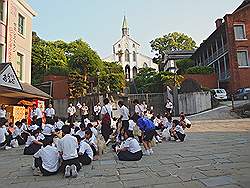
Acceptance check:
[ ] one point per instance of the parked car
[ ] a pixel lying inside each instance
(219, 94)
(242, 94)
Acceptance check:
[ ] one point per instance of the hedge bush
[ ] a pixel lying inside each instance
(200, 70)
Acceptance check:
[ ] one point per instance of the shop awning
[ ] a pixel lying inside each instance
(11, 87)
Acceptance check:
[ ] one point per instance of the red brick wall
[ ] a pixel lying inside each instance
(209, 81)
(60, 86)
(240, 77)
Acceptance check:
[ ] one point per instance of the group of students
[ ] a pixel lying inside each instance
(68, 145)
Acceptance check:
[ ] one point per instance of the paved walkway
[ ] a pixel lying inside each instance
(216, 157)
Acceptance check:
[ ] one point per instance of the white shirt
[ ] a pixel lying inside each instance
(33, 127)
(71, 110)
(124, 112)
(24, 127)
(168, 125)
(97, 109)
(179, 129)
(107, 109)
(84, 110)
(85, 147)
(132, 145)
(17, 132)
(92, 141)
(80, 133)
(50, 158)
(68, 146)
(94, 131)
(139, 109)
(169, 105)
(37, 112)
(40, 137)
(2, 113)
(48, 129)
(131, 124)
(3, 133)
(50, 112)
(30, 140)
(58, 125)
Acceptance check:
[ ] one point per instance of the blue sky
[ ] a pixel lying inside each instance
(99, 22)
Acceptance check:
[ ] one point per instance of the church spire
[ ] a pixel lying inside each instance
(125, 29)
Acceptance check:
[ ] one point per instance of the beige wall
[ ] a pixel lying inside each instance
(17, 42)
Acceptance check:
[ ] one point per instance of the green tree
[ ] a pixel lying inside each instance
(77, 85)
(172, 42)
(184, 64)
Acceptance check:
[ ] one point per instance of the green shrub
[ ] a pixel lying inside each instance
(184, 64)
(200, 70)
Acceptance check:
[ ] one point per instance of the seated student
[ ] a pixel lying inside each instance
(119, 138)
(184, 121)
(130, 149)
(32, 145)
(33, 126)
(48, 130)
(25, 132)
(17, 134)
(46, 159)
(178, 131)
(148, 131)
(67, 147)
(85, 153)
(58, 124)
(81, 132)
(4, 135)
(93, 129)
(91, 140)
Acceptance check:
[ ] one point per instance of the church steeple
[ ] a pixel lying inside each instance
(125, 29)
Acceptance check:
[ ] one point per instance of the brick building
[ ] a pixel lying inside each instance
(227, 49)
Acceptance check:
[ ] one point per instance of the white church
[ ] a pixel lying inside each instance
(126, 51)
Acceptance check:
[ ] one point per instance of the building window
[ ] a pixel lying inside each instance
(127, 59)
(145, 65)
(1, 53)
(1, 10)
(134, 56)
(21, 24)
(119, 46)
(19, 67)
(242, 58)
(239, 32)
(133, 45)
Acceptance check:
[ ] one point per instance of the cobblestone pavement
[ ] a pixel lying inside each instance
(217, 156)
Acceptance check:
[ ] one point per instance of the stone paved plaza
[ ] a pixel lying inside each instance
(215, 154)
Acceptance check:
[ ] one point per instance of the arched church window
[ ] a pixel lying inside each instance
(127, 72)
(134, 72)
(119, 46)
(127, 59)
(133, 45)
(145, 65)
(134, 56)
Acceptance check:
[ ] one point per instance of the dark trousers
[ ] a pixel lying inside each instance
(181, 136)
(7, 141)
(20, 140)
(84, 159)
(93, 149)
(70, 162)
(106, 131)
(38, 164)
(25, 136)
(128, 156)
(39, 123)
(71, 119)
(125, 124)
(32, 149)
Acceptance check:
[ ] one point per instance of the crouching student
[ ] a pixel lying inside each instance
(18, 132)
(32, 145)
(49, 129)
(46, 159)
(178, 131)
(67, 147)
(85, 153)
(91, 140)
(130, 150)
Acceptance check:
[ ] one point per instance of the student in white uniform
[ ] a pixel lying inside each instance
(130, 149)
(85, 153)
(93, 129)
(4, 135)
(49, 130)
(67, 147)
(2, 111)
(18, 132)
(32, 145)
(50, 112)
(81, 132)
(91, 140)
(71, 113)
(97, 111)
(139, 110)
(37, 113)
(178, 131)
(46, 159)
(124, 115)
(58, 124)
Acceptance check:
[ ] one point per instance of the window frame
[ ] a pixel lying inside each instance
(244, 31)
(2, 53)
(248, 63)
(1, 10)
(20, 75)
(23, 27)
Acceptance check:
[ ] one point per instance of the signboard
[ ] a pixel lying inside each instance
(9, 79)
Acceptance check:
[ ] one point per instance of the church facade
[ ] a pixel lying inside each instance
(126, 52)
